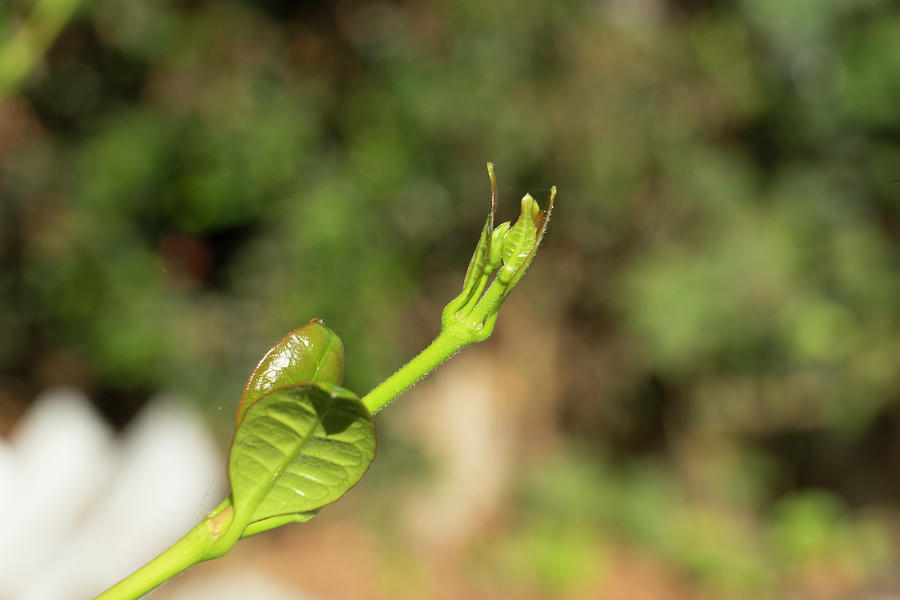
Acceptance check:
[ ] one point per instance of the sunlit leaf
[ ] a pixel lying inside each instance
(519, 249)
(298, 449)
(311, 353)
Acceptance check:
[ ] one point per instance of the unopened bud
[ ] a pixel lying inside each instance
(498, 237)
(521, 241)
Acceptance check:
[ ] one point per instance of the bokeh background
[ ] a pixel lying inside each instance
(694, 393)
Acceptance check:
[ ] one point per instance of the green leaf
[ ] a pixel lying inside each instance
(479, 258)
(519, 242)
(311, 353)
(523, 239)
(298, 449)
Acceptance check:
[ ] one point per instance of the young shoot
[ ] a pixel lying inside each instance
(301, 441)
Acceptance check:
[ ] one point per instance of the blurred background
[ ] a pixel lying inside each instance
(694, 393)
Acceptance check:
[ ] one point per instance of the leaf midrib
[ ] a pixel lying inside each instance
(321, 359)
(264, 489)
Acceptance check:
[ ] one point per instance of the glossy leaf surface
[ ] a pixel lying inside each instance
(298, 449)
(310, 353)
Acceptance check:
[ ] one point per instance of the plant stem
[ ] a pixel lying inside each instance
(21, 52)
(184, 553)
(489, 304)
(203, 542)
(445, 345)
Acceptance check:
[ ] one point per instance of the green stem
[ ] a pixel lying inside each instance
(445, 345)
(473, 301)
(21, 52)
(185, 553)
(489, 304)
(205, 541)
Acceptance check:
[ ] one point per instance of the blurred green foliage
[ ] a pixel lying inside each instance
(183, 182)
(578, 504)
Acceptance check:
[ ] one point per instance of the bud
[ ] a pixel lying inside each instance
(505, 249)
(521, 240)
(495, 256)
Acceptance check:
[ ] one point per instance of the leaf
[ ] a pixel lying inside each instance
(523, 239)
(541, 220)
(273, 522)
(311, 353)
(479, 258)
(476, 270)
(297, 449)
